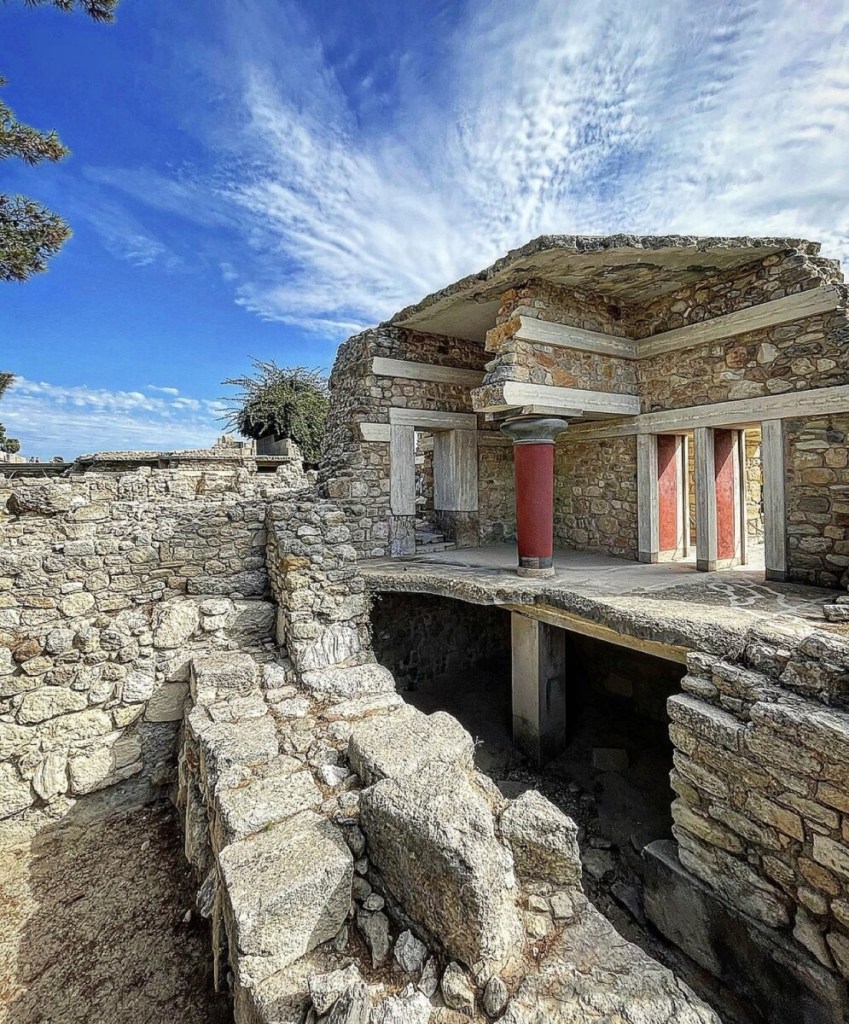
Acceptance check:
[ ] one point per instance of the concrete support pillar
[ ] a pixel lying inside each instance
(718, 498)
(647, 517)
(402, 490)
(539, 689)
(775, 512)
(533, 458)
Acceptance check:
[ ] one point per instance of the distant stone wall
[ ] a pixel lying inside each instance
(595, 495)
(762, 775)
(108, 584)
(817, 496)
(496, 493)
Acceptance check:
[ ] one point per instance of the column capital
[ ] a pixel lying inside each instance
(534, 429)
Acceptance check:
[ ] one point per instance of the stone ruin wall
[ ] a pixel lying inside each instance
(595, 495)
(817, 496)
(355, 472)
(108, 584)
(762, 776)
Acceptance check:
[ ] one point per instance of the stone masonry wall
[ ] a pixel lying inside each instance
(817, 497)
(108, 583)
(496, 493)
(762, 775)
(808, 353)
(356, 473)
(595, 495)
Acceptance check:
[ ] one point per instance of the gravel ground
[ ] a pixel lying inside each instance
(92, 928)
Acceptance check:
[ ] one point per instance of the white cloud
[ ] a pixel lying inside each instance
(50, 419)
(163, 391)
(658, 117)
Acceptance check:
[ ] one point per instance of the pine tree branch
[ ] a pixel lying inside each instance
(29, 235)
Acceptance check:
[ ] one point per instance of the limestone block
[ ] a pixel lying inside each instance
(253, 619)
(48, 702)
(591, 973)
(408, 1007)
(325, 989)
(282, 997)
(431, 835)
(216, 675)
(247, 583)
(707, 722)
(245, 810)
(41, 499)
(357, 681)
(458, 991)
(82, 725)
(334, 645)
(396, 745)
(75, 605)
(543, 839)
(832, 855)
(286, 891)
(102, 762)
(167, 703)
(174, 622)
(349, 710)
(51, 775)
(224, 745)
(15, 793)
(137, 687)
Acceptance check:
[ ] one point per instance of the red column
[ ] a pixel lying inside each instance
(533, 457)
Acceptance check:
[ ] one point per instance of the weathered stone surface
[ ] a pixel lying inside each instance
(432, 837)
(360, 707)
(168, 703)
(335, 645)
(244, 810)
(543, 840)
(495, 996)
(51, 775)
(832, 855)
(14, 792)
(174, 622)
(104, 761)
(214, 676)
(347, 683)
(353, 1006)
(287, 890)
(458, 991)
(43, 499)
(325, 989)
(591, 973)
(137, 687)
(408, 1007)
(48, 702)
(393, 746)
(226, 744)
(410, 953)
(374, 928)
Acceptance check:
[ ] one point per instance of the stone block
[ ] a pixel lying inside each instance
(334, 645)
(397, 745)
(244, 810)
(174, 622)
(254, 620)
(49, 702)
(15, 794)
(543, 840)
(431, 836)
(832, 855)
(214, 676)
(748, 958)
(167, 703)
(705, 721)
(348, 683)
(286, 891)
(360, 707)
(225, 745)
(102, 762)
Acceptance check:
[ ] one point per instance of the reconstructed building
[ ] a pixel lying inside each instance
(692, 395)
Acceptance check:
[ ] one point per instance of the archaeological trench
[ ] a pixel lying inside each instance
(530, 705)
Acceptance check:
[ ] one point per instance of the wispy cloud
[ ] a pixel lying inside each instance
(50, 419)
(345, 201)
(162, 391)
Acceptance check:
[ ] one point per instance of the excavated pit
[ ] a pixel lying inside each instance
(613, 777)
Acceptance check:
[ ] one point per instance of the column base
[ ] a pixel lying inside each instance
(535, 574)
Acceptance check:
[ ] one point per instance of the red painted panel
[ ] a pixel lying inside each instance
(667, 491)
(534, 467)
(726, 486)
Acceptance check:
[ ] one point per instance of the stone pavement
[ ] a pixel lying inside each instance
(669, 602)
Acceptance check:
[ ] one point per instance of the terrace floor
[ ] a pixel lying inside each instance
(670, 602)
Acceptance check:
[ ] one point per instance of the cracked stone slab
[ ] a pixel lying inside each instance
(216, 676)
(245, 810)
(356, 681)
(286, 891)
(381, 748)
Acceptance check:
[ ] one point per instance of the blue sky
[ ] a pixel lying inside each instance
(264, 177)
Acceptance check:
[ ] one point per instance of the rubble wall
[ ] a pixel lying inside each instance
(355, 472)
(108, 583)
(595, 495)
(817, 499)
(761, 776)
(803, 354)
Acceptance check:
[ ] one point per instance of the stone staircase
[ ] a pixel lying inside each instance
(430, 538)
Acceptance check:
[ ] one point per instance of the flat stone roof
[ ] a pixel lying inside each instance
(626, 268)
(668, 603)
